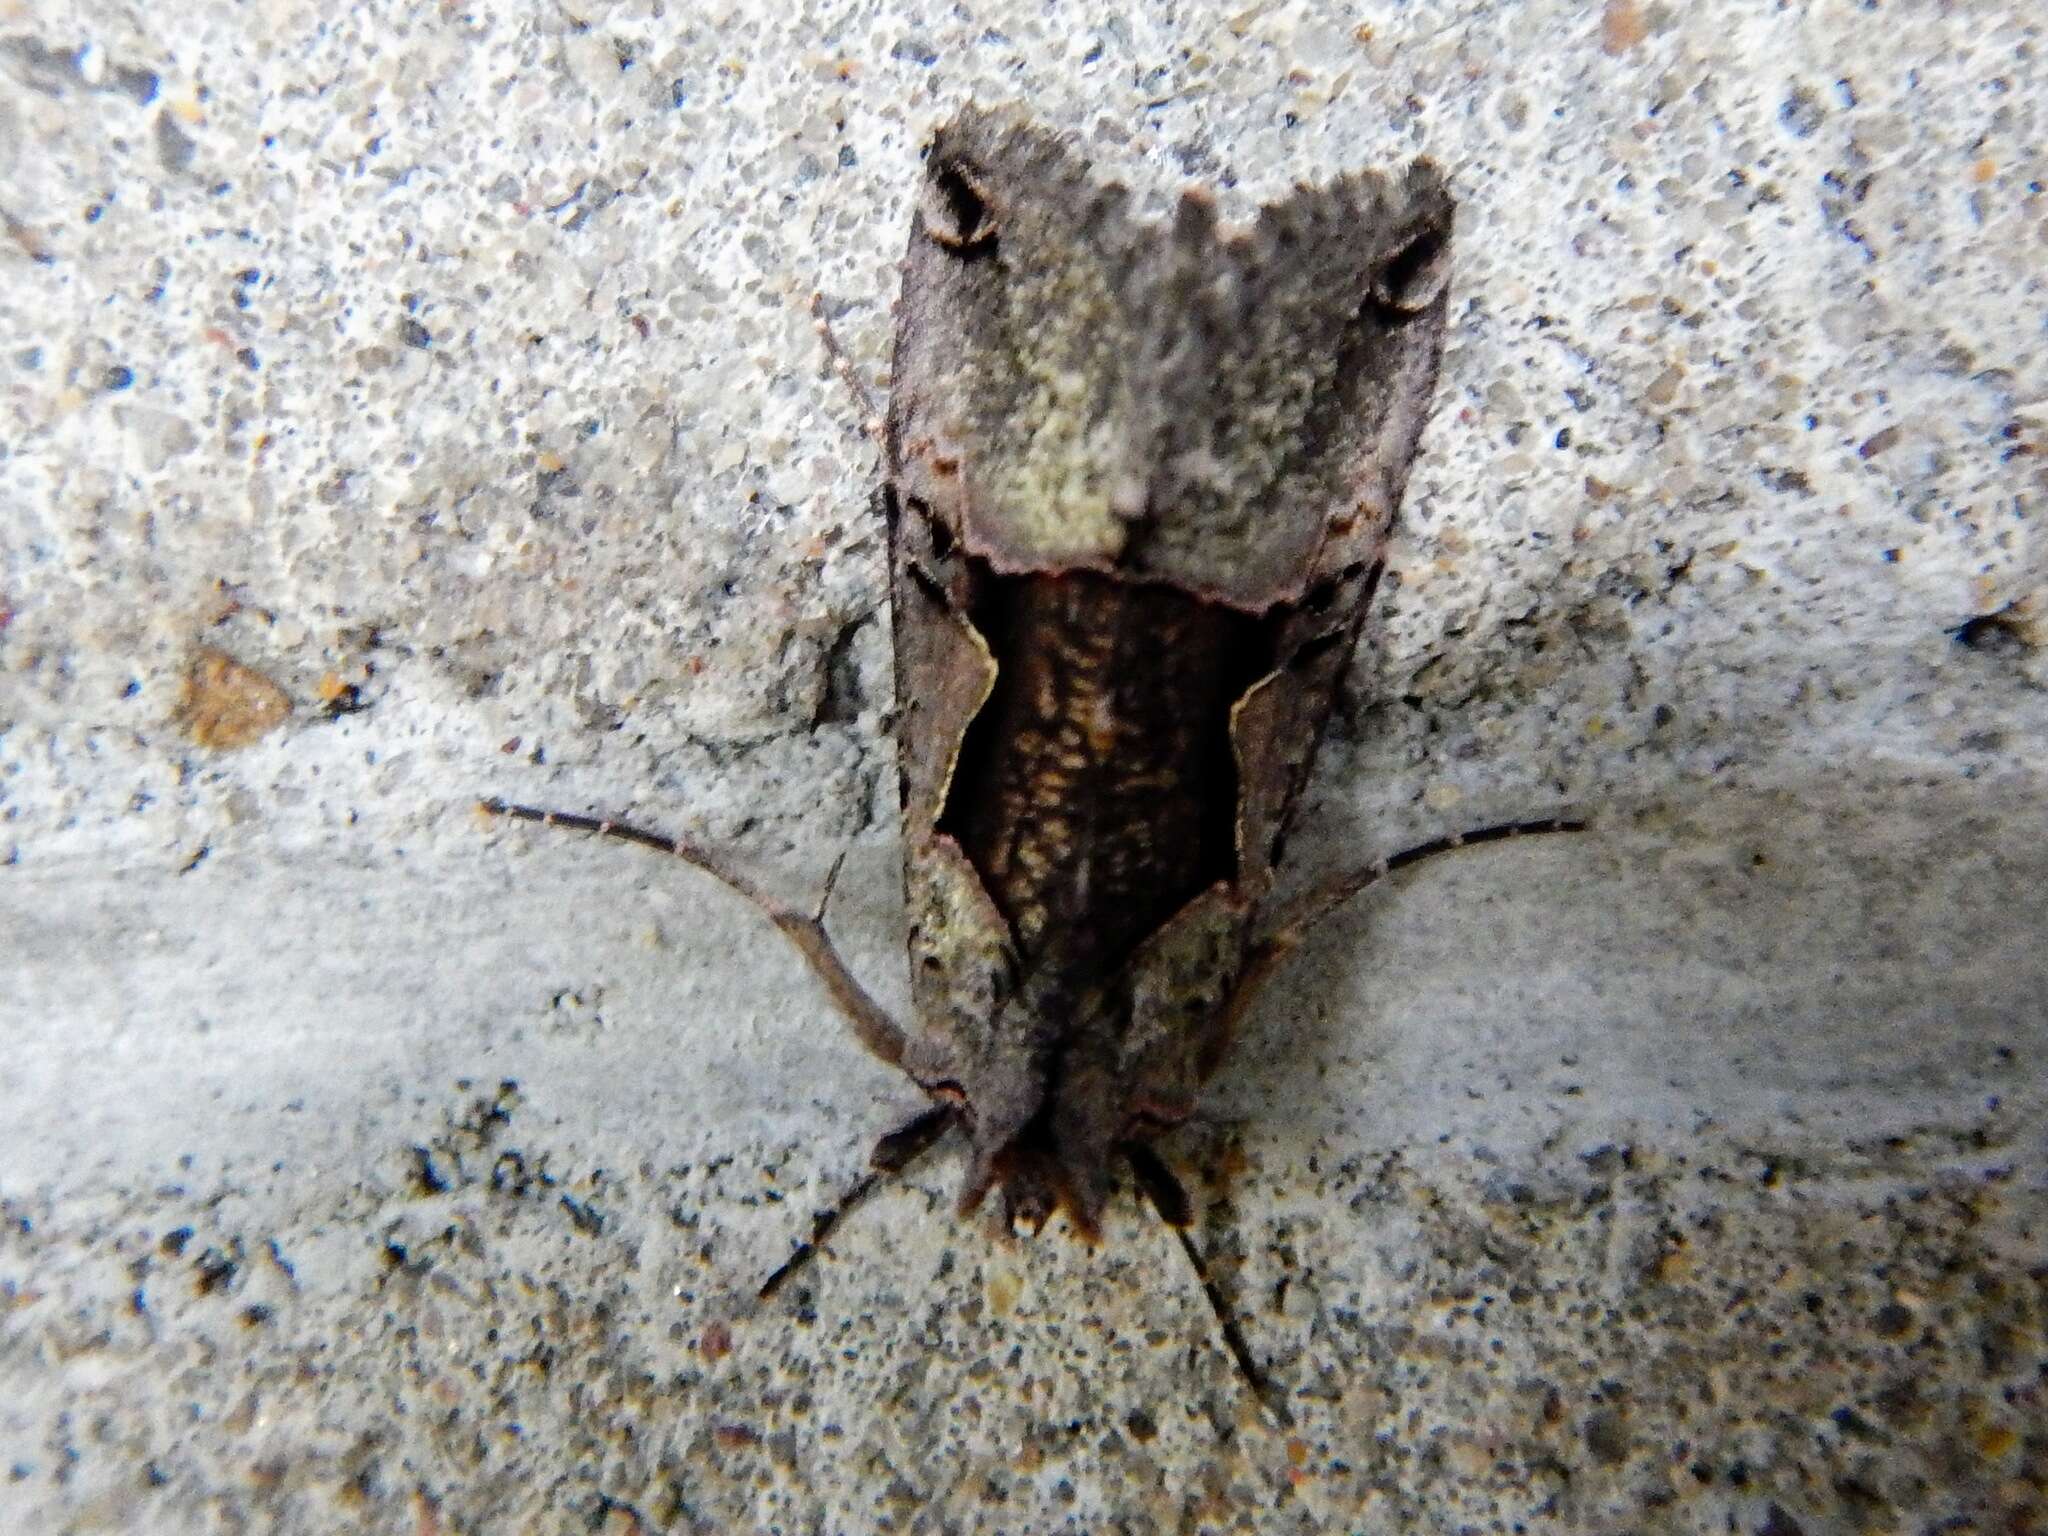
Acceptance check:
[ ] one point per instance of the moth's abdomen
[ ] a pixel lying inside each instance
(1097, 790)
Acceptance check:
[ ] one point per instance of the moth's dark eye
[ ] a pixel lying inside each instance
(1415, 274)
(956, 210)
(1325, 592)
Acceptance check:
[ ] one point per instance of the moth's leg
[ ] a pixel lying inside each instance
(1170, 1200)
(1285, 934)
(870, 417)
(871, 1023)
(892, 1154)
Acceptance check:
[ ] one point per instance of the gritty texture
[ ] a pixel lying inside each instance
(449, 370)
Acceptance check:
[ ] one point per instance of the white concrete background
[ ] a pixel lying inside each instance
(1689, 1175)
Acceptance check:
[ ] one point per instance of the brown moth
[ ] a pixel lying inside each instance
(1140, 480)
(1140, 483)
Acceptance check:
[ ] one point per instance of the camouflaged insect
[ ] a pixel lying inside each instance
(1140, 480)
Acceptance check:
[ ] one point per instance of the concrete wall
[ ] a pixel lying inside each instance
(448, 369)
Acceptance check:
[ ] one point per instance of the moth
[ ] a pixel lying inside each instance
(1140, 478)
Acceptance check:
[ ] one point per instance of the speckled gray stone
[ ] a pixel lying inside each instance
(365, 1167)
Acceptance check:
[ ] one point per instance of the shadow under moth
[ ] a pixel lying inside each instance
(1139, 484)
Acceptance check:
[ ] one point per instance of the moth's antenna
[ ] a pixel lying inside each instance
(870, 418)
(1170, 1200)
(1284, 933)
(871, 1023)
(1312, 907)
(892, 1154)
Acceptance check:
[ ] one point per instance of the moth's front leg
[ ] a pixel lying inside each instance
(894, 1152)
(1169, 1199)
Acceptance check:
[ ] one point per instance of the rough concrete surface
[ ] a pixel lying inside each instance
(405, 402)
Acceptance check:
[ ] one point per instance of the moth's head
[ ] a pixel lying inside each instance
(1064, 1154)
